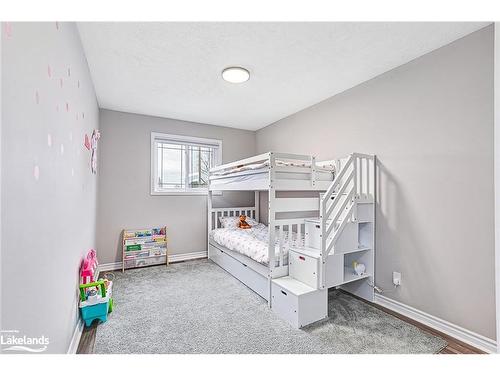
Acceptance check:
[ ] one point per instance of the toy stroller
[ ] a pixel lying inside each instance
(95, 304)
(95, 296)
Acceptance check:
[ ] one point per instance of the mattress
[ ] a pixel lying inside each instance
(253, 242)
(259, 166)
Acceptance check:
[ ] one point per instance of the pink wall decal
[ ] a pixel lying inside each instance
(87, 142)
(7, 29)
(36, 172)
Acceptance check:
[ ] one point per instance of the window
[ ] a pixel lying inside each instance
(180, 164)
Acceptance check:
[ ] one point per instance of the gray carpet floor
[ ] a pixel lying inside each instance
(197, 307)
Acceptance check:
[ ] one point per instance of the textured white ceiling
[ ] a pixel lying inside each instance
(174, 69)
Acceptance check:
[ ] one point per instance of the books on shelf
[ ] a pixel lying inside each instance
(154, 232)
(145, 242)
(141, 247)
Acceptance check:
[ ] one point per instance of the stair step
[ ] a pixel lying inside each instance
(317, 221)
(333, 195)
(294, 286)
(298, 303)
(309, 251)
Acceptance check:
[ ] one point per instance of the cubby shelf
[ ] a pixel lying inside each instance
(349, 275)
(359, 249)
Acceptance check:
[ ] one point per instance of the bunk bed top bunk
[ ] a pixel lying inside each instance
(278, 171)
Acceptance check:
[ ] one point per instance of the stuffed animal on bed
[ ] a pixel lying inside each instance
(243, 224)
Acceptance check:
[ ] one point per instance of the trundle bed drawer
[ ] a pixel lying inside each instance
(241, 271)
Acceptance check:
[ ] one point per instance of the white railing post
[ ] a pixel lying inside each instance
(359, 175)
(209, 220)
(368, 179)
(313, 171)
(271, 221)
(356, 186)
(322, 218)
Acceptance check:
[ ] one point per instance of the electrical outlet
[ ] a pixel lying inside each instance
(396, 278)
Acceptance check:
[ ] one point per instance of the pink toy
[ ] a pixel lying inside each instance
(88, 268)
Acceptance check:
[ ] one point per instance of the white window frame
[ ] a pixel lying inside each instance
(180, 138)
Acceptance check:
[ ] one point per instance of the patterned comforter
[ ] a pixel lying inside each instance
(253, 242)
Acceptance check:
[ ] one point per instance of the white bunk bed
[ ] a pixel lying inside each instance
(309, 239)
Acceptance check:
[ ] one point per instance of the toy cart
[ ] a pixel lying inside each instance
(96, 306)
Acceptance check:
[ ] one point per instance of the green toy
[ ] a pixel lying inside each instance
(95, 307)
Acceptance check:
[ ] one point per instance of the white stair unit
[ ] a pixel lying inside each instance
(343, 233)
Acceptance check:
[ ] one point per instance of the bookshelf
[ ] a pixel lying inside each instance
(144, 247)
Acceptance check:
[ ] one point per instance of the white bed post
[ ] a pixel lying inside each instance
(209, 220)
(271, 219)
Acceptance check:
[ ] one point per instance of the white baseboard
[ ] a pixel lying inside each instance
(172, 259)
(474, 339)
(187, 256)
(75, 339)
(109, 267)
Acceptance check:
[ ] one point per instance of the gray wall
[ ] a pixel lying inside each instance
(47, 224)
(124, 199)
(430, 122)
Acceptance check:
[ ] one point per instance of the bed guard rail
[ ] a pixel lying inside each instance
(271, 159)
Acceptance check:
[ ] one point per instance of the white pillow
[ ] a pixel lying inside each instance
(231, 222)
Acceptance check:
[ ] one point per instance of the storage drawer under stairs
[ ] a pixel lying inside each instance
(298, 303)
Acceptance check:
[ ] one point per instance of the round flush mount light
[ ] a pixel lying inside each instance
(235, 74)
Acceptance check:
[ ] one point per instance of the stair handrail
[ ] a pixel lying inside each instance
(339, 201)
(356, 180)
(338, 178)
(329, 226)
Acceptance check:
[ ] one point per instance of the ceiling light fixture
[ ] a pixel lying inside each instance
(235, 74)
